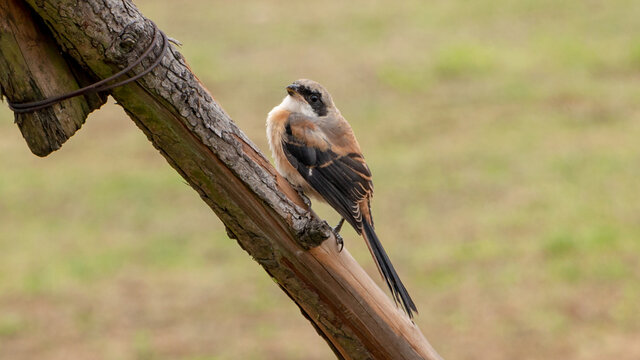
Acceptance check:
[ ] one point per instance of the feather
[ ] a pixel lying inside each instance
(328, 158)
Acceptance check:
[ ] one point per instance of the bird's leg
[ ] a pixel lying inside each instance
(304, 196)
(336, 232)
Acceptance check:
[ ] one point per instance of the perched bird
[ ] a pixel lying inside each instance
(315, 149)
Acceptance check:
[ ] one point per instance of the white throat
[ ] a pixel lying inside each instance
(289, 103)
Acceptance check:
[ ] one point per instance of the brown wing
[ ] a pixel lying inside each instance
(329, 159)
(340, 176)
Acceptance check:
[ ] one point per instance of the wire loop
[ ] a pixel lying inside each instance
(101, 85)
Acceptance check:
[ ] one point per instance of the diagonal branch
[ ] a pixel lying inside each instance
(261, 211)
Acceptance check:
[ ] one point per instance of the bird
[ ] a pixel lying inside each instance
(315, 149)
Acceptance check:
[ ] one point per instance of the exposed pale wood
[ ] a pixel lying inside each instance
(32, 68)
(260, 209)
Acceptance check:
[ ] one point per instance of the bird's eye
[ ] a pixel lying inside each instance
(314, 98)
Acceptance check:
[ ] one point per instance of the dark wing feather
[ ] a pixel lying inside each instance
(342, 180)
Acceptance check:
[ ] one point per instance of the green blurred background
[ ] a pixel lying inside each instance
(504, 139)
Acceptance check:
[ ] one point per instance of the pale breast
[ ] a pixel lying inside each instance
(276, 122)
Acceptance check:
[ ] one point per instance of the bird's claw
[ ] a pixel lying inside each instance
(336, 232)
(304, 197)
(339, 241)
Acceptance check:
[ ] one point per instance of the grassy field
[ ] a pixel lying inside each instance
(504, 139)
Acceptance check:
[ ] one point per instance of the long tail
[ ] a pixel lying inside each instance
(399, 292)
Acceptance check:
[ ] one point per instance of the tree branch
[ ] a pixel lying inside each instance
(35, 68)
(260, 209)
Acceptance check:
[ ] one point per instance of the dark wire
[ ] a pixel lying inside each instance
(102, 84)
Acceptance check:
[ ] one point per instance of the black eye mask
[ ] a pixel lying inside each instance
(314, 99)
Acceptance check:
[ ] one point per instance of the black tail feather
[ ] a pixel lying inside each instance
(399, 292)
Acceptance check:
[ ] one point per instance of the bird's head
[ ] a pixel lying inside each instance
(310, 98)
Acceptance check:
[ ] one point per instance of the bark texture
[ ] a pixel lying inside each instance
(261, 211)
(33, 69)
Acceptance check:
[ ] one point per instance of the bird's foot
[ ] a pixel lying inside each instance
(336, 233)
(339, 241)
(304, 196)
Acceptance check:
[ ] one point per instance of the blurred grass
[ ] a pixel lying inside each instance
(503, 138)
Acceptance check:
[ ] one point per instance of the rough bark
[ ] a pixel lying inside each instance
(261, 211)
(32, 69)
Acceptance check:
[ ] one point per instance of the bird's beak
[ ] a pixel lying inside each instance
(293, 89)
